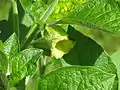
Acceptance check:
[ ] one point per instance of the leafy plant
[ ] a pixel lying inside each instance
(44, 45)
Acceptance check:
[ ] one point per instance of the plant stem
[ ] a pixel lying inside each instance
(42, 64)
(15, 17)
(30, 36)
(49, 11)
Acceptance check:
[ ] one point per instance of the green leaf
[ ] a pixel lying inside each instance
(3, 62)
(85, 51)
(102, 14)
(77, 78)
(11, 46)
(5, 6)
(105, 63)
(115, 58)
(24, 64)
(27, 21)
(3, 81)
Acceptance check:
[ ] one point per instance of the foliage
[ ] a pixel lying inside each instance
(47, 45)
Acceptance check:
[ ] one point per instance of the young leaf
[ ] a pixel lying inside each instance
(24, 64)
(85, 51)
(102, 14)
(11, 46)
(77, 78)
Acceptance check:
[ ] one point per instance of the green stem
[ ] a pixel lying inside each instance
(15, 17)
(49, 11)
(31, 31)
(42, 64)
(30, 36)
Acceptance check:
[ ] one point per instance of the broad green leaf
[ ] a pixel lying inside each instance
(5, 6)
(116, 60)
(77, 78)
(85, 50)
(24, 64)
(105, 63)
(102, 14)
(11, 46)
(3, 81)
(3, 62)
